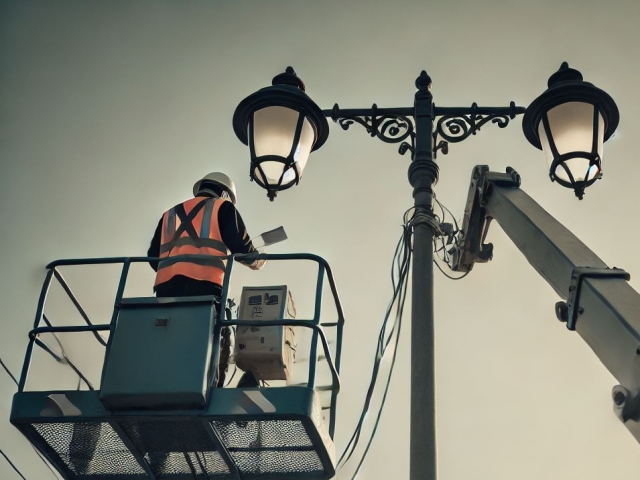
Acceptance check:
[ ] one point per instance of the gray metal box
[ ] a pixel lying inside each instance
(269, 352)
(160, 354)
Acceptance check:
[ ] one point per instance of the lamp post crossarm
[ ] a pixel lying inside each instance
(395, 125)
(456, 124)
(391, 125)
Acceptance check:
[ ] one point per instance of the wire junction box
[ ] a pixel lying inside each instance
(268, 352)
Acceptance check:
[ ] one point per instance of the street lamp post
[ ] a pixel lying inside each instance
(282, 125)
(423, 174)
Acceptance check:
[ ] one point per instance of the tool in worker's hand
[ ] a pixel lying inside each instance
(272, 236)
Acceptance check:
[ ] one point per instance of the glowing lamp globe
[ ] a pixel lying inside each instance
(570, 122)
(282, 126)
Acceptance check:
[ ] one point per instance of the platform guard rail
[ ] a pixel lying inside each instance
(315, 324)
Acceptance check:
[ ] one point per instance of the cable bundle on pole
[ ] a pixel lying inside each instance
(388, 335)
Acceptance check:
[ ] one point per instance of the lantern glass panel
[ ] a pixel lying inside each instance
(272, 171)
(571, 126)
(277, 129)
(274, 129)
(303, 149)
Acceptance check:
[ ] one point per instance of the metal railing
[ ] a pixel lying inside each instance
(315, 324)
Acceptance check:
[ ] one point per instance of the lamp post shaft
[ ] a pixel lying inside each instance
(423, 431)
(423, 174)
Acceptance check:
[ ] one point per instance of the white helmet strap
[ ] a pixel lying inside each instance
(206, 192)
(211, 193)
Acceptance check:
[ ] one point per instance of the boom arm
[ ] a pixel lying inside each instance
(600, 305)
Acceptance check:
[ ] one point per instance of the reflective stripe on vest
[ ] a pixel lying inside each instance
(191, 228)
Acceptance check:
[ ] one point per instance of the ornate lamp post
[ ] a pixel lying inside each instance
(282, 125)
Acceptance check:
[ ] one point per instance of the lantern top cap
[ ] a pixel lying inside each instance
(288, 91)
(290, 78)
(567, 85)
(564, 74)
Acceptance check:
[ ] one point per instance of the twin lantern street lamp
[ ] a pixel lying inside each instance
(570, 122)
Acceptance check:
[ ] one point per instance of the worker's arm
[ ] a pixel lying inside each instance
(154, 248)
(235, 235)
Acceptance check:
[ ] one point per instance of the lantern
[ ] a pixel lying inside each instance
(282, 126)
(570, 122)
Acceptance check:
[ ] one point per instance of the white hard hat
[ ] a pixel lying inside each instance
(219, 179)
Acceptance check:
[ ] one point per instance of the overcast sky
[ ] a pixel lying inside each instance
(109, 111)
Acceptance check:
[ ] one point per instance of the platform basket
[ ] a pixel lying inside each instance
(250, 434)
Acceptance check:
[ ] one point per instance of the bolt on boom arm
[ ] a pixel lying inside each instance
(599, 303)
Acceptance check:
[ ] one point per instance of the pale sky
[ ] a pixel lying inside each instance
(109, 111)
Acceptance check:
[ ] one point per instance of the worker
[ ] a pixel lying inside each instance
(207, 224)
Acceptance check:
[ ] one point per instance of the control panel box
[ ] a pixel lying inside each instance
(160, 354)
(268, 352)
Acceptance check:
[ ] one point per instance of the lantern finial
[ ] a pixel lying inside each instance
(564, 74)
(290, 78)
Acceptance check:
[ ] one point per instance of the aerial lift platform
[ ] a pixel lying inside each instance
(158, 413)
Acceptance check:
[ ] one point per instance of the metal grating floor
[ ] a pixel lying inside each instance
(269, 446)
(176, 449)
(88, 449)
(226, 442)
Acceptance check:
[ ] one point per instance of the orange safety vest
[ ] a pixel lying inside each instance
(191, 228)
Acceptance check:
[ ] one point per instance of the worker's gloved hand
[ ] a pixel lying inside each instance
(249, 262)
(258, 264)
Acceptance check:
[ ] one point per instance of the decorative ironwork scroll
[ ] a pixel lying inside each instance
(457, 124)
(397, 125)
(389, 125)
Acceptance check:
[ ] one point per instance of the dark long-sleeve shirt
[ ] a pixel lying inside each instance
(232, 228)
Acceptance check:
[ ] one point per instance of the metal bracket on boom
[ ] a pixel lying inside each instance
(470, 247)
(625, 404)
(626, 401)
(568, 311)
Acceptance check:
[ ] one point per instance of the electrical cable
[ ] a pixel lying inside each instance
(65, 360)
(449, 276)
(401, 262)
(386, 389)
(439, 238)
(444, 207)
(9, 372)
(235, 366)
(12, 465)
(353, 441)
(187, 457)
(235, 369)
(202, 464)
(34, 448)
(443, 248)
(44, 461)
(72, 366)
